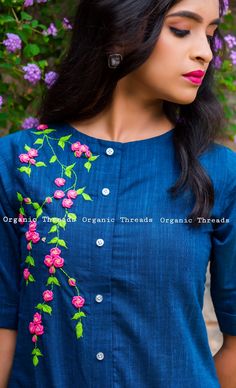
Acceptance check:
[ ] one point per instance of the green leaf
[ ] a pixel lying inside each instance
(39, 212)
(86, 197)
(39, 141)
(42, 64)
(31, 278)
(26, 147)
(47, 309)
(37, 352)
(53, 241)
(30, 260)
(79, 330)
(25, 16)
(35, 205)
(62, 224)
(35, 360)
(78, 315)
(65, 138)
(93, 157)
(80, 191)
(54, 280)
(6, 19)
(61, 144)
(68, 170)
(19, 197)
(46, 132)
(39, 306)
(30, 50)
(62, 243)
(25, 169)
(40, 164)
(68, 173)
(53, 229)
(72, 216)
(87, 165)
(55, 220)
(22, 211)
(34, 23)
(53, 159)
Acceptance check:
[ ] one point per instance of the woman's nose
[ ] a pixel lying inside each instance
(201, 50)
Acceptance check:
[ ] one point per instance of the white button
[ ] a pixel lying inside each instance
(100, 242)
(109, 151)
(99, 298)
(100, 356)
(105, 191)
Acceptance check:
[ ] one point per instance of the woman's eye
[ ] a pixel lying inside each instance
(179, 32)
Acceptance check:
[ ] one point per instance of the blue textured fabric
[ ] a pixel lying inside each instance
(117, 259)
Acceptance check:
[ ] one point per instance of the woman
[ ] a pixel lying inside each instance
(123, 198)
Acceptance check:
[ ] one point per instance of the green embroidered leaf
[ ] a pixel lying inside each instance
(68, 173)
(53, 241)
(46, 131)
(73, 216)
(39, 306)
(30, 260)
(62, 224)
(65, 138)
(35, 205)
(86, 197)
(68, 170)
(40, 164)
(87, 165)
(62, 243)
(19, 197)
(54, 280)
(37, 352)
(39, 141)
(53, 159)
(25, 169)
(80, 191)
(79, 330)
(55, 220)
(61, 144)
(22, 211)
(93, 157)
(47, 309)
(39, 212)
(26, 147)
(78, 315)
(35, 360)
(31, 278)
(53, 229)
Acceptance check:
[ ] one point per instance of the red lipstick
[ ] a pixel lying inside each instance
(195, 76)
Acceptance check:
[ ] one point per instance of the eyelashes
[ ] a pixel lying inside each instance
(183, 33)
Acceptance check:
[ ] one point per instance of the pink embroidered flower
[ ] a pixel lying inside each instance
(24, 158)
(35, 237)
(55, 251)
(72, 194)
(32, 152)
(67, 203)
(48, 261)
(39, 329)
(76, 146)
(47, 296)
(78, 301)
(48, 200)
(59, 194)
(29, 246)
(52, 270)
(72, 282)
(58, 262)
(32, 226)
(88, 154)
(32, 161)
(42, 127)
(60, 181)
(37, 318)
(27, 200)
(78, 154)
(21, 219)
(32, 327)
(26, 273)
(34, 338)
(84, 148)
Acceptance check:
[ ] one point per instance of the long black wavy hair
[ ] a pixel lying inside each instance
(85, 84)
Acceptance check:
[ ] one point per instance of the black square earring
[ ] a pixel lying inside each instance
(114, 60)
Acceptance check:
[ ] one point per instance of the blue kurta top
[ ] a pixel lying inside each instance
(100, 273)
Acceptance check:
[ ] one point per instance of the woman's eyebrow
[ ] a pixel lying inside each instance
(194, 16)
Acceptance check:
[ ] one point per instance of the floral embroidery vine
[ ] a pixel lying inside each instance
(52, 260)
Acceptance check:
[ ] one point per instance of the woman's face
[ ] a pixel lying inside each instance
(182, 47)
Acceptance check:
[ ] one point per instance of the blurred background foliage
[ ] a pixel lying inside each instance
(37, 32)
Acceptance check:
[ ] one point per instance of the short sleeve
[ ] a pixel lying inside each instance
(223, 255)
(9, 252)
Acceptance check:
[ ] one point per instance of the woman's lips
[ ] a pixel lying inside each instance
(194, 80)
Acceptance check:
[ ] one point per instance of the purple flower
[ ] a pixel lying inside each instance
(12, 43)
(226, 6)
(233, 57)
(50, 78)
(32, 73)
(52, 30)
(217, 62)
(218, 43)
(231, 40)
(28, 3)
(66, 24)
(30, 122)
(1, 102)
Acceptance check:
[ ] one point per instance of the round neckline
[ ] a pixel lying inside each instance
(88, 138)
